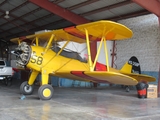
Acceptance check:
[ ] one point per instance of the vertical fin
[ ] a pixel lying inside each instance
(132, 66)
(127, 68)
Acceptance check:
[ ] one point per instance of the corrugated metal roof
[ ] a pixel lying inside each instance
(95, 5)
(131, 8)
(69, 3)
(100, 16)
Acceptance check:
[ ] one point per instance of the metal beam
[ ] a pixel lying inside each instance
(151, 5)
(130, 15)
(64, 13)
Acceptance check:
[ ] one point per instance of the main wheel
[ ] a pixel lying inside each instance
(45, 92)
(26, 89)
(6, 81)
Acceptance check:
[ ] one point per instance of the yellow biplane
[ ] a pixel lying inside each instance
(41, 54)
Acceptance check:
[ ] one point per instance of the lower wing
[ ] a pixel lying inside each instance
(99, 77)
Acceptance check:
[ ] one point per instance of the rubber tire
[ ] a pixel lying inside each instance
(23, 88)
(41, 90)
(8, 81)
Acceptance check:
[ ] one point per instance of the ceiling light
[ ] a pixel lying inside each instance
(7, 15)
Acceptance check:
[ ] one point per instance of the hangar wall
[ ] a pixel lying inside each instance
(145, 44)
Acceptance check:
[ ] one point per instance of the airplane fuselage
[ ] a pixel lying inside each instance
(52, 62)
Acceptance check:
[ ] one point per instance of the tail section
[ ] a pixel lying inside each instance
(132, 66)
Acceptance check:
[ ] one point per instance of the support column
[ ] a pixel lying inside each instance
(159, 83)
(159, 20)
(159, 69)
(113, 65)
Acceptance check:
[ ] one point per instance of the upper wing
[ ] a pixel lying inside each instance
(99, 77)
(110, 30)
(141, 77)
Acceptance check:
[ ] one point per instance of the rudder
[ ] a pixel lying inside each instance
(132, 66)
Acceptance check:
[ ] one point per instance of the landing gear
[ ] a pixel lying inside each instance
(127, 88)
(26, 89)
(7, 81)
(45, 92)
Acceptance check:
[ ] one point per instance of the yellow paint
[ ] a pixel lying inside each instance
(120, 32)
(49, 43)
(33, 77)
(127, 68)
(113, 77)
(88, 49)
(106, 53)
(46, 92)
(140, 77)
(45, 77)
(37, 41)
(99, 48)
(18, 41)
(47, 62)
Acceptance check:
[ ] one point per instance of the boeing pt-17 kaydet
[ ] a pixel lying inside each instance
(49, 59)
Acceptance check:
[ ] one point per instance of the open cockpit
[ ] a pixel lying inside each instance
(69, 54)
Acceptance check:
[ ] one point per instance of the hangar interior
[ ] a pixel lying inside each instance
(74, 99)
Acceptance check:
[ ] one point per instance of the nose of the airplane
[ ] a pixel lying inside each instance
(23, 53)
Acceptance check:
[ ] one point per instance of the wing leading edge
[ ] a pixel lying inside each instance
(110, 30)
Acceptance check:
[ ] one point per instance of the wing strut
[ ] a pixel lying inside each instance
(63, 47)
(49, 43)
(106, 53)
(37, 41)
(99, 49)
(103, 41)
(19, 42)
(88, 49)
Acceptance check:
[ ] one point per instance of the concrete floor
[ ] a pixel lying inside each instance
(107, 103)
